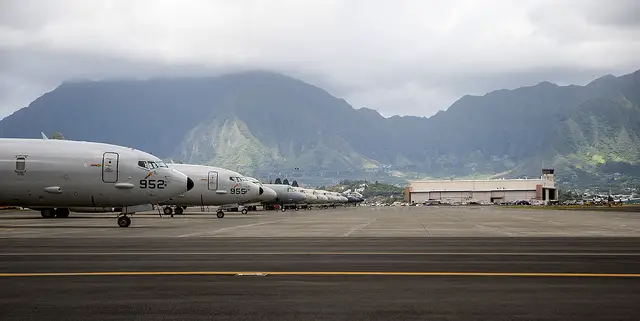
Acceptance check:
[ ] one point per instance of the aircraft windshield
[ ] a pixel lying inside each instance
(152, 164)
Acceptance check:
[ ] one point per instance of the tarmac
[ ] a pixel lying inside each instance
(359, 263)
(428, 221)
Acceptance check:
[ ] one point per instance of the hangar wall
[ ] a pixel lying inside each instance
(491, 190)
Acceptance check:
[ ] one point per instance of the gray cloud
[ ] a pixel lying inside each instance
(399, 57)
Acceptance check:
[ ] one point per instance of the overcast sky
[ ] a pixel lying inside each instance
(398, 57)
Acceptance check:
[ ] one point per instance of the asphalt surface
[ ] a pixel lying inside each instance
(427, 221)
(84, 268)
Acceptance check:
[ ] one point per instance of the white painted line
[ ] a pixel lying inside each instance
(226, 229)
(357, 228)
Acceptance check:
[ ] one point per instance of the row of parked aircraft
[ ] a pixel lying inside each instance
(57, 177)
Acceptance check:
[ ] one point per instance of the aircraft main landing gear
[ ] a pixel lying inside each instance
(48, 213)
(124, 221)
(220, 214)
(179, 210)
(168, 210)
(54, 212)
(62, 212)
(244, 211)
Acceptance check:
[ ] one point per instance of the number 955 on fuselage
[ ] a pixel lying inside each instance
(214, 186)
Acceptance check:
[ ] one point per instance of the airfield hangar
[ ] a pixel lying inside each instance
(484, 191)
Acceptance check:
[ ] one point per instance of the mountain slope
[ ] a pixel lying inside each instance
(269, 123)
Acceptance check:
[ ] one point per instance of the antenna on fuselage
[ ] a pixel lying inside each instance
(44, 136)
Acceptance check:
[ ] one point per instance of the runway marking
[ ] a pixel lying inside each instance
(359, 227)
(325, 253)
(226, 229)
(323, 273)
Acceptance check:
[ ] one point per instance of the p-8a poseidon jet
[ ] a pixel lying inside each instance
(213, 186)
(54, 176)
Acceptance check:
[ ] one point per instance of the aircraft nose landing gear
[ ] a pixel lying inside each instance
(124, 221)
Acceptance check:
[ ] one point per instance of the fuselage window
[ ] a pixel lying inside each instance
(21, 164)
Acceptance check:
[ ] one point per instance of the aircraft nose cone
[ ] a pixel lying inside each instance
(299, 197)
(190, 184)
(268, 194)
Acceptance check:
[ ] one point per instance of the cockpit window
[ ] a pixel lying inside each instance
(232, 179)
(290, 189)
(151, 164)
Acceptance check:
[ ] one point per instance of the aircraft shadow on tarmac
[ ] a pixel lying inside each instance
(37, 227)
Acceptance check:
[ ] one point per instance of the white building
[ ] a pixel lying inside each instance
(489, 190)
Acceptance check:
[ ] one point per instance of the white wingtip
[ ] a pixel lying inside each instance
(44, 136)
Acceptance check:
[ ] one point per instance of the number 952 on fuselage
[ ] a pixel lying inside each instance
(55, 176)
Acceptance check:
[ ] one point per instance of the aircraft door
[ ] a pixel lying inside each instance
(110, 167)
(213, 181)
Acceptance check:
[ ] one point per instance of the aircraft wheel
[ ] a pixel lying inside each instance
(220, 214)
(297, 208)
(168, 210)
(284, 209)
(48, 213)
(179, 210)
(62, 212)
(244, 211)
(124, 221)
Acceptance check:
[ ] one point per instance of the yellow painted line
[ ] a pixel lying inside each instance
(324, 273)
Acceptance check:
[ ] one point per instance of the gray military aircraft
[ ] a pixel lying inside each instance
(288, 197)
(337, 198)
(268, 195)
(310, 199)
(55, 175)
(214, 186)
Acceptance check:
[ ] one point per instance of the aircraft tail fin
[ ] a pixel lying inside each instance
(44, 136)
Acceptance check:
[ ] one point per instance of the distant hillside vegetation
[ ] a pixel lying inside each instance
(268, 125)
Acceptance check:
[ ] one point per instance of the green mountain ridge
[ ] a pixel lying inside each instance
(269, 125)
